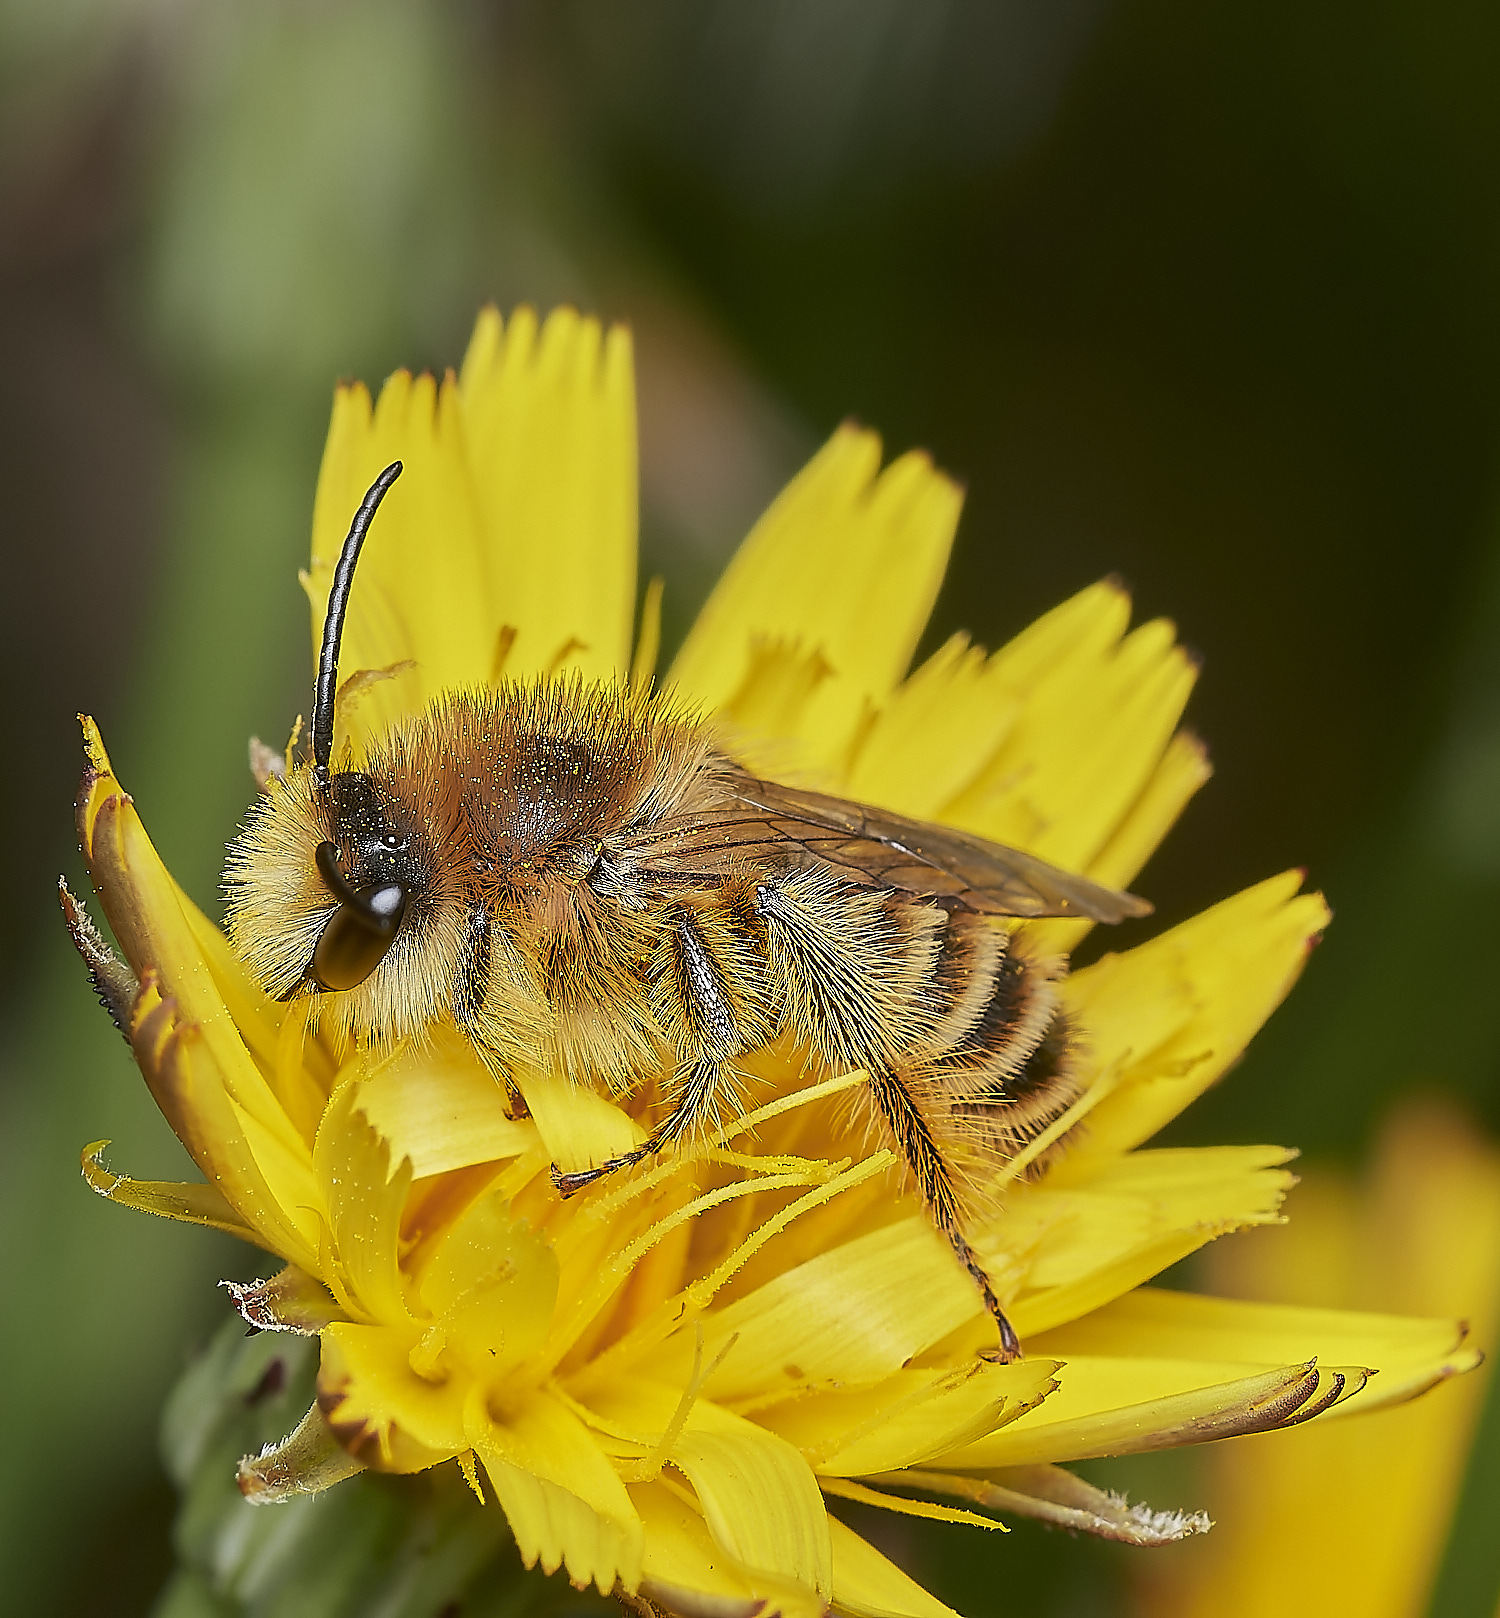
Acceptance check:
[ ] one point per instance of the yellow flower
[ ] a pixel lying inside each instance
(1352, 1516)
(663, 1381)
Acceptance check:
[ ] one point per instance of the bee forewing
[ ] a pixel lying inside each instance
(770, 821)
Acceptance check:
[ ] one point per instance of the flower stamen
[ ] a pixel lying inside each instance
(593, 1298)
(668, 1315)
(847, 1489)
(649, 1467)
(606, 1206)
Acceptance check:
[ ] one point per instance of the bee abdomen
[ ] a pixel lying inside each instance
(1003, 1060)
(992, 998)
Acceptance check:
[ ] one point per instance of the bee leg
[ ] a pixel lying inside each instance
(1010, 1344)
(570, 1183)
(694, 1103)
(470, 986)
(913, 1136)
(711, 1008)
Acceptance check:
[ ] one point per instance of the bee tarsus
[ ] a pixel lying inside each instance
(569, 1183)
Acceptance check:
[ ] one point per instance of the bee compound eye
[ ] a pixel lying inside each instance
(357, 937)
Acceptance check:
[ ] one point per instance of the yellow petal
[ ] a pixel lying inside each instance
(1083, 630)
(140, 899)
(1080, 1247)
(867, 1585)
(492, 1284)
(193, 1204)
(564, 1502)
(364, 1194)
(188, 1085)
(758, 1494)
(1119, 1406)
(423, 590)
(935, 732)
(765, 712)
(759, 1497)
(647, 653)
(909, 1417)
(857, 1313)
(1410, 1353)
(550, 420)
(381, 1411)
(1177, 1011)
(1184, 767)
(441, 1109)
(657, 1332)
(1096, 714)
(258, 1018)
(579, 1127)
(299, 1067)
(687, 1572)
(865, 553)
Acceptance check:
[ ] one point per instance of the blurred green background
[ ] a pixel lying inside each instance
(1206, 296)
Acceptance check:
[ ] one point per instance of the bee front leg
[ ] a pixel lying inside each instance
(709, 996)
(697, 1100)
(569, 1183)
(470, 989)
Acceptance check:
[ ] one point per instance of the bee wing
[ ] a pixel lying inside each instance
(766, 822)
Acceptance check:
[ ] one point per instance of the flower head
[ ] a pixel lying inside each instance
(663, 1381)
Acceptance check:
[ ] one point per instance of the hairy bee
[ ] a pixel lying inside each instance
(578, 877)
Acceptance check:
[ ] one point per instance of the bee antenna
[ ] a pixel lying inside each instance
(333, 625)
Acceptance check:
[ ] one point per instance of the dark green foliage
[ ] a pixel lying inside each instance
(396, 1547)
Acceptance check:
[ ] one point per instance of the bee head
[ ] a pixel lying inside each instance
(369, 868)
(340, 889)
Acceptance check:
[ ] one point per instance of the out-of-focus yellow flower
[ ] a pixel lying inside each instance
(1352, 1516)
(662, 1382)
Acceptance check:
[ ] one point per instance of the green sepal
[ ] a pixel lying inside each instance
(405, 1547)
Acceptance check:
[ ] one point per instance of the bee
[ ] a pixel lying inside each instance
(581, 878)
